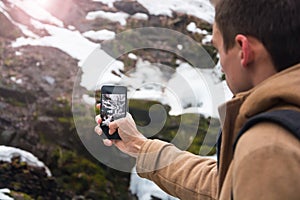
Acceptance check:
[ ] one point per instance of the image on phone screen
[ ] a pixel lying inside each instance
(113, 106)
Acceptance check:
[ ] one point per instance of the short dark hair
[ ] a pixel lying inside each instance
(275, 23)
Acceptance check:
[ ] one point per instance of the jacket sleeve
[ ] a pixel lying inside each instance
(179, 173)
(267, 164)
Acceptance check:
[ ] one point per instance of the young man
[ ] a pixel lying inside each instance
(259, 46)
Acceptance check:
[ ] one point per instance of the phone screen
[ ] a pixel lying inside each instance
(113, 106)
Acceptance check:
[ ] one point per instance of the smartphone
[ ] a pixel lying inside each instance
(113, 106)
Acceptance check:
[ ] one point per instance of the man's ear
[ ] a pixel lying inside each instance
(246, 51)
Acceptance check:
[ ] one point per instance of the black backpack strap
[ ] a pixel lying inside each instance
(218, 147)
(288, 119)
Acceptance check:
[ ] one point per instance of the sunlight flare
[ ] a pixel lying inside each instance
(35, 9)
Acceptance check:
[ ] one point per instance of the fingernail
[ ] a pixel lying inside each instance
(107, 142)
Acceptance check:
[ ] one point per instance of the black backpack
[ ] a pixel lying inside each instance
(288, 119)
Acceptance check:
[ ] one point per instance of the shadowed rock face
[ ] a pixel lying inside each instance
(130, 6)
(31, 108)
(8, 29)
(24, 179)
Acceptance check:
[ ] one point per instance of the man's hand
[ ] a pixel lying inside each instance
(132, 139)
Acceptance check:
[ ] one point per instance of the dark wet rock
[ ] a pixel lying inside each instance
(131, 7)
(6, 136)
(30, 180)
(19, 96)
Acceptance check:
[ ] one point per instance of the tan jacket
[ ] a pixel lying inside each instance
(266, 162)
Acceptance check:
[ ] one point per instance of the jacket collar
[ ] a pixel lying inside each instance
(281, 88)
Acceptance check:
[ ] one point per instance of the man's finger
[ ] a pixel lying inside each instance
(98, 119)
(98, 130)
(113, 126)
(98, 106)
(107, 142)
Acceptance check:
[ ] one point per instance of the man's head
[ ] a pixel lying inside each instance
(275, 23)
